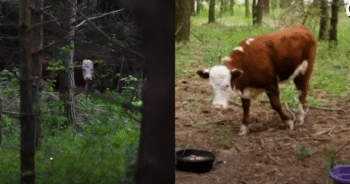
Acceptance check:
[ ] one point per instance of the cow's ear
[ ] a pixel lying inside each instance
(203, 73)
(236, 74)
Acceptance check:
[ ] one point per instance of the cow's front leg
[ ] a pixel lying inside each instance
(287, 117)
(244, 128)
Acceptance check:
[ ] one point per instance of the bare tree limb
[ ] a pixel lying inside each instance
(99, 16)
(108, 37)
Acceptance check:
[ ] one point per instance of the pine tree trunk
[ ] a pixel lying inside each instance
(254, 11)
(192, 7)
(183, 21)
(211, 11)
(37, 45)
(26, 95)
(246, 3)
(199, 6)
(259, 12)
(67, 90)
(1, 124)
(283, 3)
(324, 20)
(266, 6)
(334, 22)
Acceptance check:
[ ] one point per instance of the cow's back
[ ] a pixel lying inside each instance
(278, 53)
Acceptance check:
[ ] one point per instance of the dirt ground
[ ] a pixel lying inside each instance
(270, 152)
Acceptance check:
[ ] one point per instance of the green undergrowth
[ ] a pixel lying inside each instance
(104, 151)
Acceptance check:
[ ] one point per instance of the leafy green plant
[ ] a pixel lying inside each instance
(10, 77)
(331, 161)
(304, 151)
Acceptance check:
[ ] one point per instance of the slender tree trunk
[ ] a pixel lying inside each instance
(334, 22)
(211, 11)
(183, 21)
(37, 45)
(266, 6)
(246, 3)
(254, 11)
(26, 95)
(199, 6)
(259, 12)
(284, 3)
(1, 124)
(232, 3)
(155, 161)
(222, 8)
(317, 3)
(192, 7)
(67, 90)
(324, 20)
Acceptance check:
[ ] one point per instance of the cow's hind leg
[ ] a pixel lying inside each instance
(244, 128)
(287, 117)
(302, 84)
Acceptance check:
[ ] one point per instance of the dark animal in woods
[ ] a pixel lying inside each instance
(82, 75)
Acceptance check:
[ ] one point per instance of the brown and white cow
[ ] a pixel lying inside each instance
(82, 76)
(258, 64)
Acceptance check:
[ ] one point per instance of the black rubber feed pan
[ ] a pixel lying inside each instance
(194, 160)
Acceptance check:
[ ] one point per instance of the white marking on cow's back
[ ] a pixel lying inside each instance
(301, 69)
(206, 70)
(226, 59)
(239, 49)
(249, 40)
(248, 92)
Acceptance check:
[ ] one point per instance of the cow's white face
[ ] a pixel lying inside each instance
(220, 77)
(88, 69)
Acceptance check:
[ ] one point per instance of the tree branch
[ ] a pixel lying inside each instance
(99, 16)
(108, 37)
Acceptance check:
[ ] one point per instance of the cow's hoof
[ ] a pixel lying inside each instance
(243, 131)
(299, 120)
(290, 124)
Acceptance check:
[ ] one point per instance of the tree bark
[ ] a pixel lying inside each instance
(317, 3)
(211, 11)
(155, 162)
(257, 12)
(222, 8)
(26, 95)
(183, 21)
(199, 6)
(67, 88)
(246, 3)
(266, 6)
(1, 124)
(283, 3)
(232, 3)
(37, 45)
(324, 20)
(334, 22)
(192, 7)
(254, 11)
